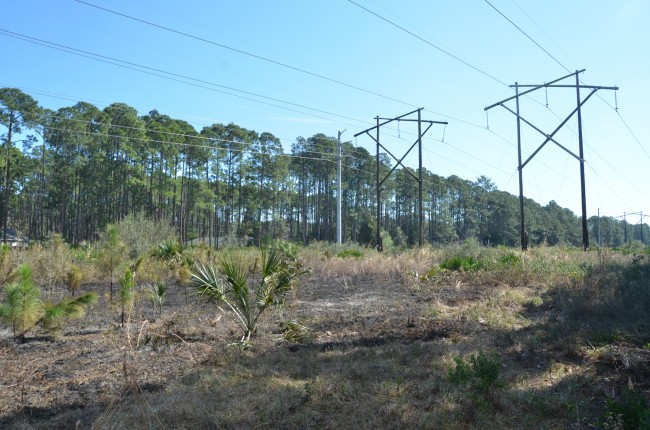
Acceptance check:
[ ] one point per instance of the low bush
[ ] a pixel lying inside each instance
(630, 411)
(350, 253)
(465, 264)
(481, 372)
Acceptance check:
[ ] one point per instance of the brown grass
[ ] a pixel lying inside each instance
(568, 327)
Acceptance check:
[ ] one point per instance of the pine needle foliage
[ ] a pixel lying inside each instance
(112, 252)
(23, 306)
(56, 313)
(73, 278)
(127, 293)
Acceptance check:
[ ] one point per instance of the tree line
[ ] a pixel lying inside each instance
(75, 170)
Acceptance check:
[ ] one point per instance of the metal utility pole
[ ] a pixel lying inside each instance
(641, 216)
(599, 242)
(522, 220)
(550, 138)
(583, 193)
(399, 163)
(420, 201)
(641, 225)
(339, 220)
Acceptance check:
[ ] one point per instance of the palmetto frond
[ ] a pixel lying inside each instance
(209, 286)
(231, 285)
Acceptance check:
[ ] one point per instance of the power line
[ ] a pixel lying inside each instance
(636, 139)
(193, 145)
(543, 32)
(169, 133)
(316, 143)
(105, 104)
(526, 34)
(147, 70)
(138, 67)
(293, 156)
(239, 51)
(455, 57)
(155, 72)
(312, 73)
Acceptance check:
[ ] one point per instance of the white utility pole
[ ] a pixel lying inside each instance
(339, 221)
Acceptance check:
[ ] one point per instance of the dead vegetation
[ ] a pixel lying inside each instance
(553, 338)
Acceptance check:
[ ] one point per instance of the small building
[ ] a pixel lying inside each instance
(14, 239)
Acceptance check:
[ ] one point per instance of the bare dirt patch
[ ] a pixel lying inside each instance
(381, 341)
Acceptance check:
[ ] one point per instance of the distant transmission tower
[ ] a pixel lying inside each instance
(418, 178)
(550, 138)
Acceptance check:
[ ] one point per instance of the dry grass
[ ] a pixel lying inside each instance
(569, 329)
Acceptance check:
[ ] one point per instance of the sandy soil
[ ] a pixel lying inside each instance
(83, 369)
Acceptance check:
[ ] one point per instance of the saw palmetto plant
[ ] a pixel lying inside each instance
(231, 284)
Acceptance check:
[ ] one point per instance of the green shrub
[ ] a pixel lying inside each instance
(461, 373)
(156, 293)
(141, 234)
(168, 250)
(127, 293)
(111, 254)
(465, 264)
(23, 306)
(350, 252)
(509, 259)
(630, 411)
(481, 372)
(289, 249)
(49, 262)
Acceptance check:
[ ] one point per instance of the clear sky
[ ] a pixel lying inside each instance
(297, 68)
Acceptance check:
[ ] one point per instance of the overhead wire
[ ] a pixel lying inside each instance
(453, 56)
(301, 70)
(105, 104)
(111, 60)
(240, 51)
(526, 34)
(444, 51)
(164, 132)
(172, 76)
(540, 29)
(156, 72)
(614, 108)
(194, 145)
(434, 112)
(629, 129)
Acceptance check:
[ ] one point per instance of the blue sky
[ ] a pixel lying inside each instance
(379, 69)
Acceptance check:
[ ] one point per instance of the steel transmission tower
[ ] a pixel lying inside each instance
(550, 138)
(418, 178)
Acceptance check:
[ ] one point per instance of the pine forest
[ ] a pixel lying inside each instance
(75, 170)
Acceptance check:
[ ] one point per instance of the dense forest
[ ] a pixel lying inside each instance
(75, 170)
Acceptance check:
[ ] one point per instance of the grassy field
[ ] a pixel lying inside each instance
(461, 336)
